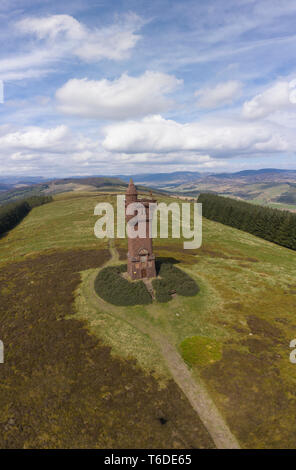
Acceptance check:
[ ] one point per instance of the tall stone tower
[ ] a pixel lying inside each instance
(140, 257)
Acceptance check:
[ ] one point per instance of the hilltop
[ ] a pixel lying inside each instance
(20, 189)
(77, 374)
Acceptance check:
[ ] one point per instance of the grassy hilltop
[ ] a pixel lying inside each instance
(78, 372)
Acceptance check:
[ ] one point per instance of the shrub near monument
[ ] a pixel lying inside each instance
(112, 287)
(173, 281)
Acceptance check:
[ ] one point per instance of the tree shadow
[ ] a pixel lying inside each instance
(164, 260)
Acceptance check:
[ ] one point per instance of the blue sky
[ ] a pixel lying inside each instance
(111, 87)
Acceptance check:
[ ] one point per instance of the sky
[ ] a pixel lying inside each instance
(106, 87)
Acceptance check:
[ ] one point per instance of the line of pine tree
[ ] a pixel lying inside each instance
(274, 225)
(13, 213)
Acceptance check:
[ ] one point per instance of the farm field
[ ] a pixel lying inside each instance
(80, 373)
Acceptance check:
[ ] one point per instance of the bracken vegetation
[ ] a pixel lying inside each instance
(172, 281)
(60, 385)
(113, 288)
(270, 224)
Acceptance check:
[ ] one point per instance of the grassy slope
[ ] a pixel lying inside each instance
(245, 283)
(64, 224)
(245, 310)
(61, 386)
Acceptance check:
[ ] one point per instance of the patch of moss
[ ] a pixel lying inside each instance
(200, 351)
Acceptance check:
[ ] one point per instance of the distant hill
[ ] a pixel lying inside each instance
(4, 187)
(265, 174)
(262, 171)
(96, 181)
(183, 177)
(267, 186)
(108, 184)
(157, 179)
(17, 179)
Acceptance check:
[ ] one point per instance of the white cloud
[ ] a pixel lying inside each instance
(155, 134)
(35, 138)
(280, 96)
(58, 151)
(57, 37)
(35, 142)
(52, 26)
(26, 64)
(125, 97)
(221, 94)
(111, 42)
(47, 151)
(23, 74)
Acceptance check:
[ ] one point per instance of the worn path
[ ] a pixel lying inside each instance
(193, 387)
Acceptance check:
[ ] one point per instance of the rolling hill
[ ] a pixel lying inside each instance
(82, 374)
(272, 187)
(56, 186)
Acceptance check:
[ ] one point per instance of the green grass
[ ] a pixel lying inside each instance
(60, 385)
(251, 378)
(244, 362)
(68, 222)
(281, 205)
(121, 335)
(200, 351)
